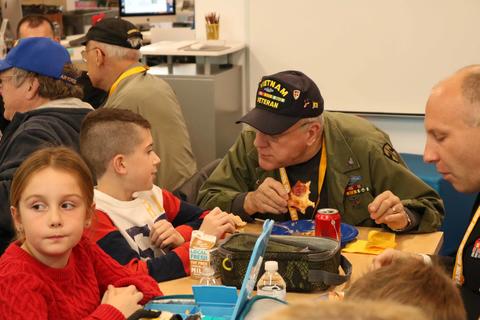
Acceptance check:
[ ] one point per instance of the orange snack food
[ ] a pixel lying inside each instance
(298, 197)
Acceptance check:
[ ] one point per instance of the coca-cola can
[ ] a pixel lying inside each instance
(327, 223)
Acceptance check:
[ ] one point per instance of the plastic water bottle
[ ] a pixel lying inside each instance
(208, 277)
(271, 282)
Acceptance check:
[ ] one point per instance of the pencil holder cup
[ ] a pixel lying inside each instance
(213, 31)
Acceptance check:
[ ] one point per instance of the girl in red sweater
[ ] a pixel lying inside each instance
(52, 271)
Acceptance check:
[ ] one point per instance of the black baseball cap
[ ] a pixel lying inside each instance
(282, 99)
(114, 31)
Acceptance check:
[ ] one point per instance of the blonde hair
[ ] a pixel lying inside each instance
(60, 158)
(346, 310)
(412, 282)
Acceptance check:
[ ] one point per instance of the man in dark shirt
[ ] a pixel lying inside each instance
(348, 164)
(452, 123)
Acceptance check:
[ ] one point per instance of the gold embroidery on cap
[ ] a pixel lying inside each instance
(273, 84)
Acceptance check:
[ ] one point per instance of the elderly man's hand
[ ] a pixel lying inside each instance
(387, 208)
(270, 197)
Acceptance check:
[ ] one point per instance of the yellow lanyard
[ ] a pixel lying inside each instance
(458, 269)
(127, 73)
(322, 169)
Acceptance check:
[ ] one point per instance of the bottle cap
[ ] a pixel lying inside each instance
(271, 266)
(207, 271)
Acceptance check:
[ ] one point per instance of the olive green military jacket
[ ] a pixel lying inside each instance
(361, 164)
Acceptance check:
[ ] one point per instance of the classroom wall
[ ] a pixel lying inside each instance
(370, 55)
(233, 27)
(258, 24)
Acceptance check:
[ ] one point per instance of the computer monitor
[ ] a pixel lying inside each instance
(147, 11)
(12, 10)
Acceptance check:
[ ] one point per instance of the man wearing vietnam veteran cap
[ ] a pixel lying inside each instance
(350, 164)
(112, 56)
(38, 86)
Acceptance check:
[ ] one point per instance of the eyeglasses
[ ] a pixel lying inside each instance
(276, 137)
(84, 53)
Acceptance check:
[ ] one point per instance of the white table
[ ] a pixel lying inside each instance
(211, 51)
(428, 243)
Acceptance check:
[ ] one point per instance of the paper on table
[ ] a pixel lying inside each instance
(377, 242)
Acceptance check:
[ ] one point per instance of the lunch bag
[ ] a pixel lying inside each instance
(305, 263)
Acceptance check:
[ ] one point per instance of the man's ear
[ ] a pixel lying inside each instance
(314, 132)
(119, 164)
(99, 57)
(32, 88)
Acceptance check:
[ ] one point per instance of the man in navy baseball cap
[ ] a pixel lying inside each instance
(115, 31)
(112, 54)
(282, 100)
(298, 158)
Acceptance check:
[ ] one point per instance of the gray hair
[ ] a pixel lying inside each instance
(113, 51)
(20, 75)
(49, 87)
(313, 119)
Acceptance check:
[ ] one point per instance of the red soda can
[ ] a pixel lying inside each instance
(327, 223)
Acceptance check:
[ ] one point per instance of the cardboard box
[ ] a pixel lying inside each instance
(201, 258)
(203, 253)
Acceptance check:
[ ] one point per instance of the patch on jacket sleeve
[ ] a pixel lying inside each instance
(390, 153)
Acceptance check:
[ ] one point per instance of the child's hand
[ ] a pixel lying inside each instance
(217, 223)
(163, 235)
(124, 299)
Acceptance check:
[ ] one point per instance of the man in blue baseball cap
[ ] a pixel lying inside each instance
(35, 25)
(38, 86)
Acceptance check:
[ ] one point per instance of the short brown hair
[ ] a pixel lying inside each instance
(412, 282)
(51, 88)
(107, 132)
(61, 158)
(346, 310)
(33, 21)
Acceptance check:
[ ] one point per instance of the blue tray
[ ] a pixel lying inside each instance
(349, 232)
